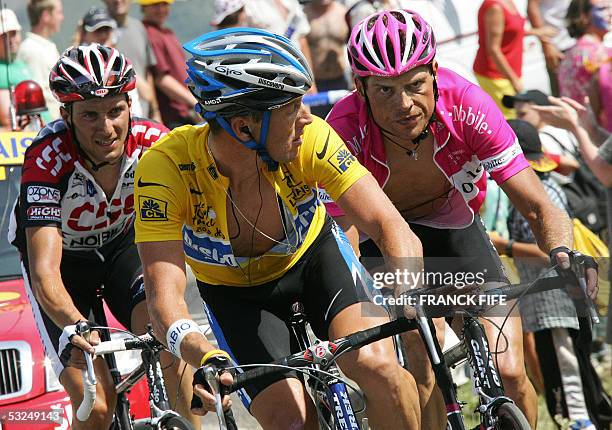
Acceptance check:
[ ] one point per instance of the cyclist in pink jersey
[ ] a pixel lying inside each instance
(430, 137)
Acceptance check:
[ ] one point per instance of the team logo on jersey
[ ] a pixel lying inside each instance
(40, 194)
(152, 209)
(44, 213)
(341, 159)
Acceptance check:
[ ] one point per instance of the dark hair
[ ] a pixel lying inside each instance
(578, 17)
(231, 20)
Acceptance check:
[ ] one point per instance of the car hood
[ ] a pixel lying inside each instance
(15, 318)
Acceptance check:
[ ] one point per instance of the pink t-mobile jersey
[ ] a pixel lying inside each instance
(471, 137)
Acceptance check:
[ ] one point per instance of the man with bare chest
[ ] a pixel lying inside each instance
(327, 42)
(430, 138)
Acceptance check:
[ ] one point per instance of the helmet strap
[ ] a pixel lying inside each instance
(259, 147)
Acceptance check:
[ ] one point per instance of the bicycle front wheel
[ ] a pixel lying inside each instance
(510, 417)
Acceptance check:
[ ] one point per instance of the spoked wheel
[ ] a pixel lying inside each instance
(510, 417)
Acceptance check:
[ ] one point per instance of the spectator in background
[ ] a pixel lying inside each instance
(359, 9)
(176, 102)
(133, 42)
(499, 59)
(563, 356)
(12, 71)
(97, 26)
(552, 13)
(229, 13)
(588, 21)
(327, 43)
(558, 143)
(284, 17)
(38, 51)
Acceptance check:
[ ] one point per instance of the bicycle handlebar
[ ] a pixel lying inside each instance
(107, 347)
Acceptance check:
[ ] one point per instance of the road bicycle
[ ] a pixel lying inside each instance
(162, 417)
(329, 389)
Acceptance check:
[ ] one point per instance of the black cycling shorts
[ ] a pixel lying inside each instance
(116, 266)
(456, 251)
(250, 322)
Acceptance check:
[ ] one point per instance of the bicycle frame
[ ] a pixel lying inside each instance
(150, 368)
(336, 401)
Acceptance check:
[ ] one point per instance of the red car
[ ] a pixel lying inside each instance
(31, 396)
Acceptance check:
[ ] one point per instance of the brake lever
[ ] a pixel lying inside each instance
(578, 268)
(210, 375)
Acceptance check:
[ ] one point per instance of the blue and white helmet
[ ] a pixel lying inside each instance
(240, 69)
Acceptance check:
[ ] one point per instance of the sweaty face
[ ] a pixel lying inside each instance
(101, 126)
(401, 105)
(285, 131)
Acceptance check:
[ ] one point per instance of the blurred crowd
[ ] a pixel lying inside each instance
(566, 138)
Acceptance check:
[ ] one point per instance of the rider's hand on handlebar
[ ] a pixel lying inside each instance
(204, 388)
(71, 346)
(561, 257)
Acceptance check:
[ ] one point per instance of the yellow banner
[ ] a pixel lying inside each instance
(13, 145)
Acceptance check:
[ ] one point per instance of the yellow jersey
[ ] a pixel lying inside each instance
(180, 195)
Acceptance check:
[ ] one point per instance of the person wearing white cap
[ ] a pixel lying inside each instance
(12, 71)
(229, 13)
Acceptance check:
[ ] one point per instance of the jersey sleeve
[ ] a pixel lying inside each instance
(488, 133)
(328, 161)
(159, 197)
(45, 166)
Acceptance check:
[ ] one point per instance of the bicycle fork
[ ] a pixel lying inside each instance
(444, 379)
(335, 397)
(486, 378)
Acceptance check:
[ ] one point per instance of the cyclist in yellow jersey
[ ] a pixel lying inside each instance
(237, 199)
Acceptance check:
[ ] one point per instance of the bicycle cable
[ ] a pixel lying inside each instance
(516, 302)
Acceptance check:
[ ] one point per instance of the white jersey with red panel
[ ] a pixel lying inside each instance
(57, 190)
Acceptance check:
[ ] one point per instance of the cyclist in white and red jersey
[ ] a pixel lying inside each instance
(430, 137)
(73, 221)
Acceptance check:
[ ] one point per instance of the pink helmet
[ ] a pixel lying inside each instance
(378, 44)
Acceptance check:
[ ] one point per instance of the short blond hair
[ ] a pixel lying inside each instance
(37, 7)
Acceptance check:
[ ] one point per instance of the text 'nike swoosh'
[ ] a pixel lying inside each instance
(321, 154)
(150, 184)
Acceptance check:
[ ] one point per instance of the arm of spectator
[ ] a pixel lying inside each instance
(539, 28)
(594, 97)
(174, 89)
(573, 116)
(494, 32)
(519, 249)
(566, 165)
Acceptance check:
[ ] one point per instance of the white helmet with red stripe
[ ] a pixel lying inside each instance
(92, 71)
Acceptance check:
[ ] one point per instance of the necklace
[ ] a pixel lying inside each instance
(291, 248)
(412, 153)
